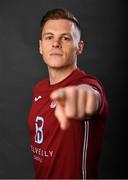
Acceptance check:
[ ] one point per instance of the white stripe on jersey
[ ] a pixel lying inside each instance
(85, 147)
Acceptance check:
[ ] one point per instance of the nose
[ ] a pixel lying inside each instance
(56, 43)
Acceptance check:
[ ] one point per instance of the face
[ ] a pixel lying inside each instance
(60, 44)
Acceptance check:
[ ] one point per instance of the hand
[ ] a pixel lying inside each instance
(75, 102)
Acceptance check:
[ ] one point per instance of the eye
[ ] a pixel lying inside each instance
(66, 39)
(48, 37)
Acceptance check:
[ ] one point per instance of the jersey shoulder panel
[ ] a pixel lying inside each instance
(96, 84)
(40, 86)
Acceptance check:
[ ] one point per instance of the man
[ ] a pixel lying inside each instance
(68, 113)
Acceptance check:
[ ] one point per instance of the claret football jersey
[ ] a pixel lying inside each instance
(71, 153)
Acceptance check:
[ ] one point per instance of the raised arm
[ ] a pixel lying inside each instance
(78, 102)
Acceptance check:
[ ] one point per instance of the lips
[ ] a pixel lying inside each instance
(56, 54)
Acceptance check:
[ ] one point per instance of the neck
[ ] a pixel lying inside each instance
(58, 75)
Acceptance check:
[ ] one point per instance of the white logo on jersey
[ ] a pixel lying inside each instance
(37, 98)
(39, 130)
(53, 104)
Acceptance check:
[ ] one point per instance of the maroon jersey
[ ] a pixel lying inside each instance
(71, 153)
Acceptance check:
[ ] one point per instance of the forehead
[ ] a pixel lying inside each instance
(59, 25)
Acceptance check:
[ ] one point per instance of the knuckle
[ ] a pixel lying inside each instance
(90, 110)
(71, 90)
(71, 114)
(81, 114)
(81, 91)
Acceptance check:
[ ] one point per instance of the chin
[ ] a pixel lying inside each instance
(56, 65)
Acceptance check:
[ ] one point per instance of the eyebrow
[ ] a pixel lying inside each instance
(63, 34)
(47, 34)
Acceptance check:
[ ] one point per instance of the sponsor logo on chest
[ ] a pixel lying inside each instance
(53, 104)
(37, 98)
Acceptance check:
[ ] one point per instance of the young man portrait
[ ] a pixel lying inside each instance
(68, 113)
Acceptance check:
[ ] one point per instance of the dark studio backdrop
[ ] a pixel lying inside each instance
(103, 25)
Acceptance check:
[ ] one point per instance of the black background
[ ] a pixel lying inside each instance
(103, 24)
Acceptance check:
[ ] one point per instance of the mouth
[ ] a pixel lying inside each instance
(56, 54)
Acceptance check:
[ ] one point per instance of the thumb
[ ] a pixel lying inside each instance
(58, 95)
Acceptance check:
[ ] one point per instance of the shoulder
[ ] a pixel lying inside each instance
(40, 85)
(96, 84)
(85, 78)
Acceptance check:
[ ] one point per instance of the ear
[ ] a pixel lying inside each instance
(40, 47)
(80, 47)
